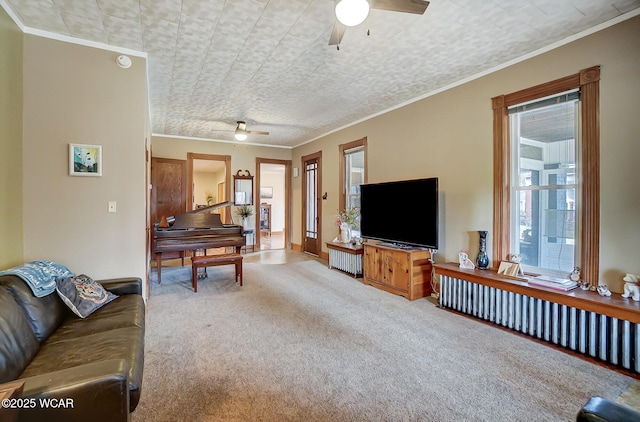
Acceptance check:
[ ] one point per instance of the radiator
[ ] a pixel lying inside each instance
(347, 262)
(606, 338)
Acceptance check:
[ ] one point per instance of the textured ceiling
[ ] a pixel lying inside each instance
(268, 62)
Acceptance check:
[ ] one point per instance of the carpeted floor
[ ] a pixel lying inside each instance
(300, 342)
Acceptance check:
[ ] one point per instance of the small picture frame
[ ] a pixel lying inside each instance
(85, 160)
(266, 192)
(510, 269)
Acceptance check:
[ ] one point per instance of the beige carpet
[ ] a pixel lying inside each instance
(300, 342)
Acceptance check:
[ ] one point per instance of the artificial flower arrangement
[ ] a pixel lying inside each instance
(349, 217)
(244, 211)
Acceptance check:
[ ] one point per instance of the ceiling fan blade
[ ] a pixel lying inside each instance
(406, 6)
(254, 132)
(336, 33)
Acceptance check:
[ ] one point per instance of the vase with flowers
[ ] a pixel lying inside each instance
(244, 212)
(346, 221)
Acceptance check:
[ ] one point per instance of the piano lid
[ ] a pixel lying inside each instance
(197, 221)
(199, 218)
(210, 208)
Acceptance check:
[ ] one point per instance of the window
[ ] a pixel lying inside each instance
(543, 140)
(352, 172)
(546, 175)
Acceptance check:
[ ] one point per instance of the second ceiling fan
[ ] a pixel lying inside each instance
(241, 131)
(354, 12)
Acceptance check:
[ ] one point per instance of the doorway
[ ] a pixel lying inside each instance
(311, 209)
(272, 207)
(209, 177)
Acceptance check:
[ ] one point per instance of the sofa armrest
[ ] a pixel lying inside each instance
(123, 286)
(94, 392)
(599, 409)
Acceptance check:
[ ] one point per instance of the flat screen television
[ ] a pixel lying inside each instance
(384, 215)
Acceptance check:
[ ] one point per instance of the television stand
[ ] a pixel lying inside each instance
(406, 272)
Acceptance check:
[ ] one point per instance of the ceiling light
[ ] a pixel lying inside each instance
(352, 12)
(241, 131)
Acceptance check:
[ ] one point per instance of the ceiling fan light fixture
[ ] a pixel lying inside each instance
(240, 136)
(352, 12)
(241, 131)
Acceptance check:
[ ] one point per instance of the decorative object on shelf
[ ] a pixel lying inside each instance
(208, 197)
(483, 259)
(345, 233)
(631, 287)
(510, 269)
(347, 220)
(464, 260)
(244, 212)
(515, 258)
(575, 276)
(603, 290)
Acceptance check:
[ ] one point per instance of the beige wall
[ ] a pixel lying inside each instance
(449, 136)
(77, 94)
(11, 48)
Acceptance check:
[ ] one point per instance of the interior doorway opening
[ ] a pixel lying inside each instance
(272, 204)
(209, 177)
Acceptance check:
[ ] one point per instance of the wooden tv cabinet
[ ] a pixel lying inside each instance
(406, 272)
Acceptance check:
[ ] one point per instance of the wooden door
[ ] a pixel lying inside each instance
(311, 188)
(168, 190)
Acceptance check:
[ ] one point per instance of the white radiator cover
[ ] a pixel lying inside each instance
(610, 339)
(350, 263)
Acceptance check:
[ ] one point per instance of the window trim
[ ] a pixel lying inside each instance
(588, 81)
(362, 142)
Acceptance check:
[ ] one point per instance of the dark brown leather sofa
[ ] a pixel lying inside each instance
(91, 367)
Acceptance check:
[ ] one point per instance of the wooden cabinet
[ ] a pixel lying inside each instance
(406, 272)
(265, 219)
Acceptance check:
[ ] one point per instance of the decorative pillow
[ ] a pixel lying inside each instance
(83, 295)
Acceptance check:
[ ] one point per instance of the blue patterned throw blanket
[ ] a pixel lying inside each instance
(40, 276)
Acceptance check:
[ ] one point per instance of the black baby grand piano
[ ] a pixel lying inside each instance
(193, 230)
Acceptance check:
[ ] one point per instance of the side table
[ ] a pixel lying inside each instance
(249, 233)
(346, 257)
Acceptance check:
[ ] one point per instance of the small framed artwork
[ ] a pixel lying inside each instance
(509, 269)
(266, 192)
(85, 160)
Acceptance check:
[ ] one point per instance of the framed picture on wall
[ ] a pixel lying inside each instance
(85, 160)
(266, 192)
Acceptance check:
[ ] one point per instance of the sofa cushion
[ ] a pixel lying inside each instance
(83, 295)
(44, 314)
(125, 311)
(59, 353)
(19, 344)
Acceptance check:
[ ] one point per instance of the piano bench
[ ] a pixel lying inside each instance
(212, 261)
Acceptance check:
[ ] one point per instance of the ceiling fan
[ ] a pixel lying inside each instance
(354, 12)
(241, 131)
